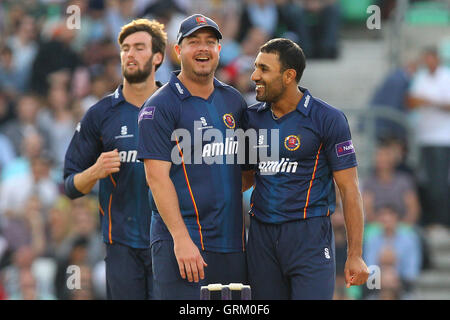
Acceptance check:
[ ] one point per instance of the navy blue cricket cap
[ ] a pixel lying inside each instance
(193, 23)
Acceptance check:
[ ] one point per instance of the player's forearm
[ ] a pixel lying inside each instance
(86, 180)
(354, 220)
(166, 199)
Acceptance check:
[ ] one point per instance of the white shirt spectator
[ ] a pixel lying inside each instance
(433, 124)
(14, 193)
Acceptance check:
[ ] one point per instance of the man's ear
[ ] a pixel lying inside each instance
(177, 49)
(289, 76)
(157, 58)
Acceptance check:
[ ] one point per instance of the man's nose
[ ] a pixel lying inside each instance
(255, 76)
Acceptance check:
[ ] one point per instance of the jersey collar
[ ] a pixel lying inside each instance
(117, 97)
(304, 105)
(180, 90)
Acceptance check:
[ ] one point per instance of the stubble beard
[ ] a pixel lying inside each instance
(141, 75)
(204, 75)
(272, 94)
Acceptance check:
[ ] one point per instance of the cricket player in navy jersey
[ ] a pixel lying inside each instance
(291, 244)
(198, 234)
(104, 148)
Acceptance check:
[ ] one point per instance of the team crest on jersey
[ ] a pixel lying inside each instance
(292, 142)
(229, 120)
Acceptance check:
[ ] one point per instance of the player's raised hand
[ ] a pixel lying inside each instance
(107, 163)
(190, 261)
(356, 271)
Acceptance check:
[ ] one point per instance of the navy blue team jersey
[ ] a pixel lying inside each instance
(209, 195)
(314, 141)
(123, 196)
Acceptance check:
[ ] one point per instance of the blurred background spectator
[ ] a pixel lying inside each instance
(394, 246)
(388, 186)
(395, 79)
(429, 97)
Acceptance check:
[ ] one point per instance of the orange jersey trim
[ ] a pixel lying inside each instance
(112, 180)
(311, 181)
(192, 196)
(109, 217)
(101, 210)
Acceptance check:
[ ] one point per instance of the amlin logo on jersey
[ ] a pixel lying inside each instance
(273, 167)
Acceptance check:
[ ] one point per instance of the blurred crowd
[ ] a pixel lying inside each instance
(404, 205)
(51, 74)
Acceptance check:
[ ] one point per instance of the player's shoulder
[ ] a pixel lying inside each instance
(162, 101)
(164, 96)
(323, 111)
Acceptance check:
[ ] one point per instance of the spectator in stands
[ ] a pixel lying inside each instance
(98, 89)
(23, 280)
(392, 93)
(318, 27)
(260, 14)
(386, 186)
(58, 121)
(12, 79)
(7, 153)
(59, 222)
(430, 99)
(402, 241)
(28, 288)
(6, 110)
(26, 228)
(24, 48)
(32, 147)
(238, 71)
(118, 14)
(77, 257)
(53, 56)
(15, 192)
(86, 291)
(26, 122)
(84, 213)
(390, 286)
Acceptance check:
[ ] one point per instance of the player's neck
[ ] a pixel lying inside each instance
(202, 88)
(288, 101)
(137, 93)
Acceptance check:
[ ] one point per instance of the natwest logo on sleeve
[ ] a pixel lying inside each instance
(147, 113)
(345, 148)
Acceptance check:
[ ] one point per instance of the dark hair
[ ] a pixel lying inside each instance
(152, 27)
(289, 53)
(431, 50)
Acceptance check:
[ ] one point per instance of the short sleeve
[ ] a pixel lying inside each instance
(85, 146)
(156, 123)
(338, 145)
